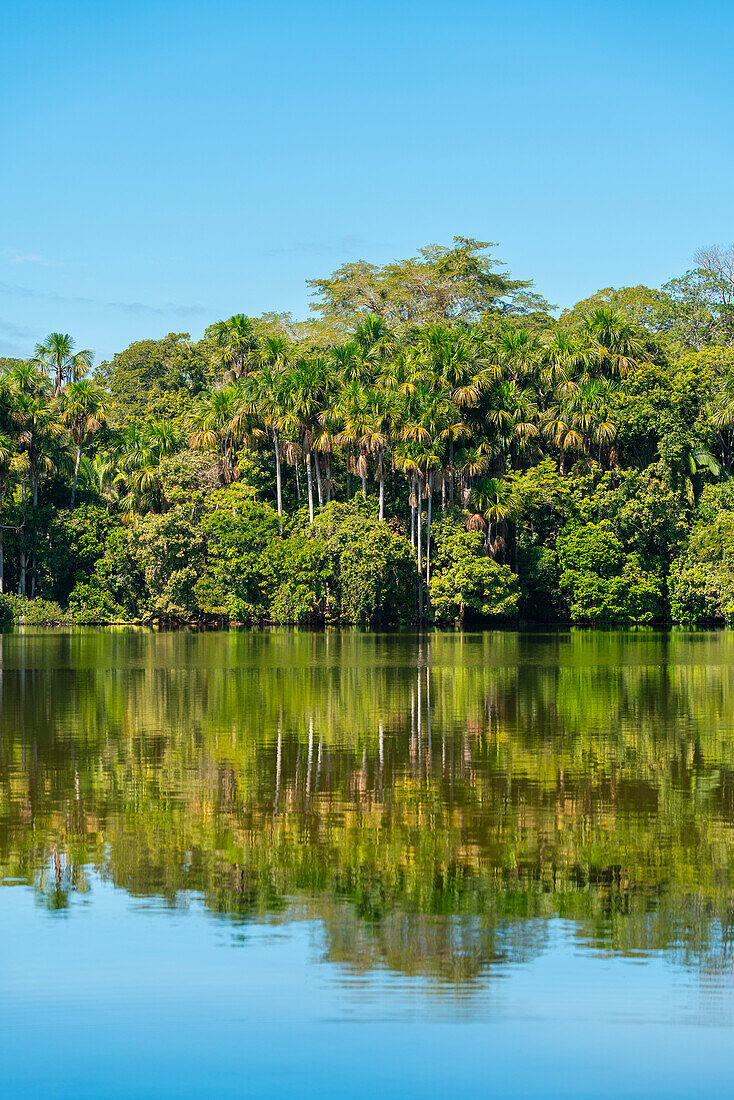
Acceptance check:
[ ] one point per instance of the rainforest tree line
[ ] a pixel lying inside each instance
(433, 445)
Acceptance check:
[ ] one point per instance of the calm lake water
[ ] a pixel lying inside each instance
(295, 865)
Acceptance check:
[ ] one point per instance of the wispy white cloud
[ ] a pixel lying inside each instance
(17, 332)
(171, 308)
(33, 258)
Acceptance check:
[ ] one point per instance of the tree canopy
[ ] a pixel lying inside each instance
(433, 446)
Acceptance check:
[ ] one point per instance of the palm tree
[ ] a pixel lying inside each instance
(519, 355)
(563, 358)
(419, 459)
(582, 418)
(471, 462)
(305, 384)
(353, 410)
(104, 474)
(266, 395)
(373, 333)
(496, 504)
(349, 362)
(12, 464)
(56, 355)
(382, 411)
(84, 409)
(236, 341)
(721, 416)
(616, 345)
(40, 435)
(220, 422)
(143, 450)
(455, 362)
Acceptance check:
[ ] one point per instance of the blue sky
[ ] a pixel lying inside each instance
(168, 164)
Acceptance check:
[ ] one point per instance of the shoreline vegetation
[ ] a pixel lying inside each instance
(433, 446)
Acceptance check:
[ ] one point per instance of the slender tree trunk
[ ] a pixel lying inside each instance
(381, 481)
(34, 559)
(443, 492)
(319, 485)
(309, 480)
(328, 479)
(77, 464)
(22, 562)
(364, 486)
(420, 551)
(2, 551)
(412, 514)
(489, 541)
(298, 486)
(428, 535)
(451, 473)
(278, 475)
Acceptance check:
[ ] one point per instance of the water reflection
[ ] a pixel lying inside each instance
(430, 803)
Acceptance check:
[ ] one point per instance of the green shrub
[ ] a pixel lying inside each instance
(38, 612)
(115, 590)
(600, 582)
(237, 533)
(702, 578)
(347, 565)
(465, 582)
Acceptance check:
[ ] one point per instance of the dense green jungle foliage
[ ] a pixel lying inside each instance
(432, 445)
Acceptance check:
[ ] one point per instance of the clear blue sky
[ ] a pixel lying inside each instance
(168, 164)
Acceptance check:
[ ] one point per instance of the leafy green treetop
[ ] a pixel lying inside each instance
(458, 283)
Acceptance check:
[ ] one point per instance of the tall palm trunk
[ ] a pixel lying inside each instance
(278, 475)
(382, 483)
(2, 550)
(77, 464)
(451, 472)
(23, 555)
(319, 484)
(34, 560)
(309, 481)
(428, 533)
(413, 492)
(420, 550)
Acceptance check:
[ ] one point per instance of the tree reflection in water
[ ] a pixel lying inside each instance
(431, 802)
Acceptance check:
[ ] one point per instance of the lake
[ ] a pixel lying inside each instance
(325, 865)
